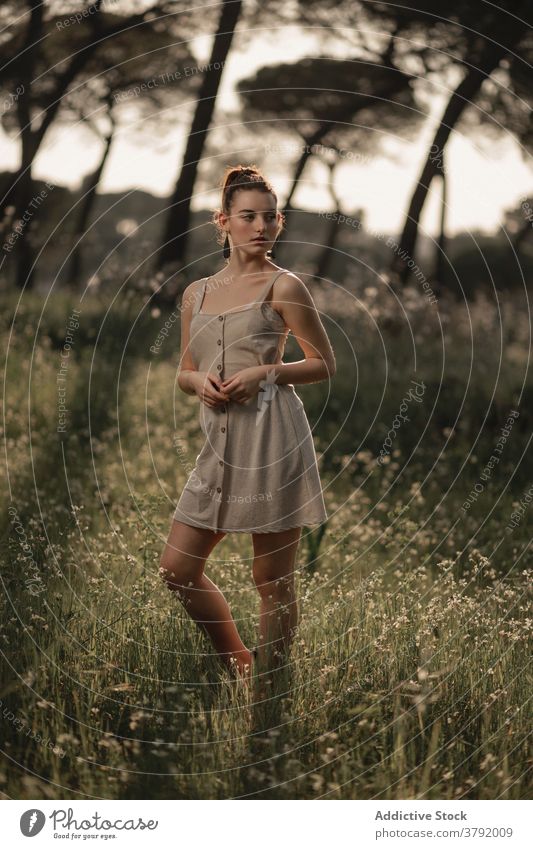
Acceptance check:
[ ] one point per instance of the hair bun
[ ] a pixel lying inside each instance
(238, 171)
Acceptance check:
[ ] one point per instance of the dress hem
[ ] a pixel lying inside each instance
(251, 530)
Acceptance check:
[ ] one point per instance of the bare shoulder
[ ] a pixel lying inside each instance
(291, 289)
(190, 293)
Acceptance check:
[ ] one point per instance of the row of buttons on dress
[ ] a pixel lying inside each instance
(223, 408)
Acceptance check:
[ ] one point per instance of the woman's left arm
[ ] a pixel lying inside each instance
(295, 304)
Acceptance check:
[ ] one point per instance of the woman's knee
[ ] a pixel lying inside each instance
(273, 585)
(180, 570)
(185, 554)
(274, 563)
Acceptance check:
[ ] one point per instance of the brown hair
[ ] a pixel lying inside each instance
(241, 177)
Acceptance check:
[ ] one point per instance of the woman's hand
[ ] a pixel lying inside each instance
(245, 384)
(208, 388)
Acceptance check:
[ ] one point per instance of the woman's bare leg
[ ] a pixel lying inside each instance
(273, 572)
(182, 567)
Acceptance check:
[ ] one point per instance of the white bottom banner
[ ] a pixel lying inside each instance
(234, 823)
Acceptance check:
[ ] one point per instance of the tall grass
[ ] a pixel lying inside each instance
(408, 677)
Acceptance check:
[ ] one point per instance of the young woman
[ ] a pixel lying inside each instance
(257, 471)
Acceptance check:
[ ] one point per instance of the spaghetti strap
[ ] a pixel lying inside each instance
(266, 289)
(199, 298)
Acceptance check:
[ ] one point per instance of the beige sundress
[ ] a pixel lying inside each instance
(257, 470)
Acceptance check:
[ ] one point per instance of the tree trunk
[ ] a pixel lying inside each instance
(521, 234)
(21, 191)
(332, 235)
(440, 263)
(463, 95)
(332, 232)
(85, 211)
(302, 162)
(175, 236)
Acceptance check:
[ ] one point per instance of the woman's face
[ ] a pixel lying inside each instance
(253, 216)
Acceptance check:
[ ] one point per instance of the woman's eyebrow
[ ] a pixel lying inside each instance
(272, 209)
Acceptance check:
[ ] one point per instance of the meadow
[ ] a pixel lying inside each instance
(408, 677)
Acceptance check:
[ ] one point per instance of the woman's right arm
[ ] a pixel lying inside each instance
(191, 381)
(187, 367)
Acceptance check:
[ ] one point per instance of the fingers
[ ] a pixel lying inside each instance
(214, 390)
(215, 380)
(215, 398)
(213, 404)
(218, 392)
(210, 402)
(236, 391)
